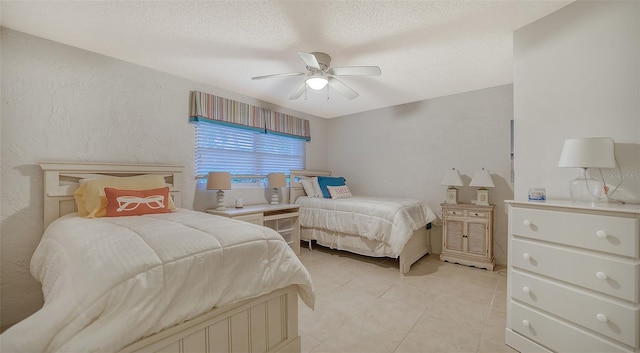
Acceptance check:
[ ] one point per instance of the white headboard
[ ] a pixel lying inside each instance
(61, 179)
(295, 189)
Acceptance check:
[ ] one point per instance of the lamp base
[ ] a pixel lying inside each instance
(274, 197)
(452, 196)
(220, 201)
(482, 197)
(585, 189)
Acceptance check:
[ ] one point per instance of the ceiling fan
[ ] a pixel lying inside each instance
(320, 74)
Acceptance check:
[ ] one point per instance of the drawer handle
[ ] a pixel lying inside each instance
(526, 290)
(601, 234)
(526, 256)
(526, 223)
(601, 275)
(602, 318)
(525, 323)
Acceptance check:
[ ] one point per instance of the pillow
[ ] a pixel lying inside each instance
(329, 181)
(136, 202)
(339, 192)
(311, 187)
(92, 202)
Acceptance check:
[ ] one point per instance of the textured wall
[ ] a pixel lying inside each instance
(577, 74)
(406, 150)
(66, 104)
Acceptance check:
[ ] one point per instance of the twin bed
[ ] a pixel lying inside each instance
(182, 281)
(378, 227)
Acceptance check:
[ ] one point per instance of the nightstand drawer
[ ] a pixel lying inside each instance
(556, 335)
(475, 214)
(600, 273)
(607, 317)
(615, 235)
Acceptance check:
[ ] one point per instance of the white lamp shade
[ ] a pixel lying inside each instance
(277, 180)
(594, 152)
(452, 178)
(219, 181)
(482, 178)
(317, 82)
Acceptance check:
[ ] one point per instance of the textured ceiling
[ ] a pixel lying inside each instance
(425, 49)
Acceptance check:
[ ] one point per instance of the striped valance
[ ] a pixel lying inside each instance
(287, 125)
(214, 109)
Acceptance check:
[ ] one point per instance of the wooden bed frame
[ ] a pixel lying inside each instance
(418, 245)
(268, 323)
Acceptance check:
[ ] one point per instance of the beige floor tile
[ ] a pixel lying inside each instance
(366, 305)
(370, 284)
(499, 301)
(309, 343)
(408, 295)
(451, 308)
(431, 334)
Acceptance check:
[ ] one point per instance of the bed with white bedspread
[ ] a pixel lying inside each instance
(371, 226)
(108, 282)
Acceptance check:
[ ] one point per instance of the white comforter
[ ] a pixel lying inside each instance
(109, 281)
(388, 220)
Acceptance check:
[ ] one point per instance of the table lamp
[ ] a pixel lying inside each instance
(585, 153)
(483, 179)
(452, 179)
(219, 181)
(276, 180)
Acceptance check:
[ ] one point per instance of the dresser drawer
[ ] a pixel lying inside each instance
(609, 318)
(615, 235)
(603, 274)
(555, 334)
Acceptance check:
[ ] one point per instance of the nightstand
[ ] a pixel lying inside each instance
(282, 218)
(467, 235)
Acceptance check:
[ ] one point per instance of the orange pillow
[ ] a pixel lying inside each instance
(136, 202)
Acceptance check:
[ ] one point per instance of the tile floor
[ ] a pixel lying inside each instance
(364, 305)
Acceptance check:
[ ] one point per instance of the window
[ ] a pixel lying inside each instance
(248, 155)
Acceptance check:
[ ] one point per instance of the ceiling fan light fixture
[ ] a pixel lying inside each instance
(317, 82)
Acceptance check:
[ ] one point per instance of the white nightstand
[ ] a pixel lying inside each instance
(283, 218)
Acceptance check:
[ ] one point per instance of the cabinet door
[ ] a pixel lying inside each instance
(477, 238)
(454, 235)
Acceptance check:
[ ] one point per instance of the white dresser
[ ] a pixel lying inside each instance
(573, 277)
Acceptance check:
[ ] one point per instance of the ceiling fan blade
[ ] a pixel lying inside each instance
(277, 75)
(298, 92)
(310, 60)
(355, 71)
(342, 88)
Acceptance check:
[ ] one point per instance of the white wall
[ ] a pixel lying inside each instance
(66, 104)
(405, 151)
(577, 74)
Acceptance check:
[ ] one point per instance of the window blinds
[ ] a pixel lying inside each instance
(245, 152)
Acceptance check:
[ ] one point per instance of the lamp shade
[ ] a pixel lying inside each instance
(452, 178)
(317, 82)
(219, 181)
(277, 180)
(482, 178)
(593, 152)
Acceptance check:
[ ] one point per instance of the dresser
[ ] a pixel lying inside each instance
(467, 235)
(573, 277)
(283, 218)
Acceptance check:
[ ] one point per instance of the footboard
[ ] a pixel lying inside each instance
(418, 245)
(267, 324)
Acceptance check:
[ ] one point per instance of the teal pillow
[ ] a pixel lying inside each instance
(330, 181)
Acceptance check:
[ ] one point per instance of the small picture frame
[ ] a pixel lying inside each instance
(537, 194)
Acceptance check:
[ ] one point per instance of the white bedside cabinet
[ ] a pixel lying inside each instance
(283, 218)
(573, 277)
